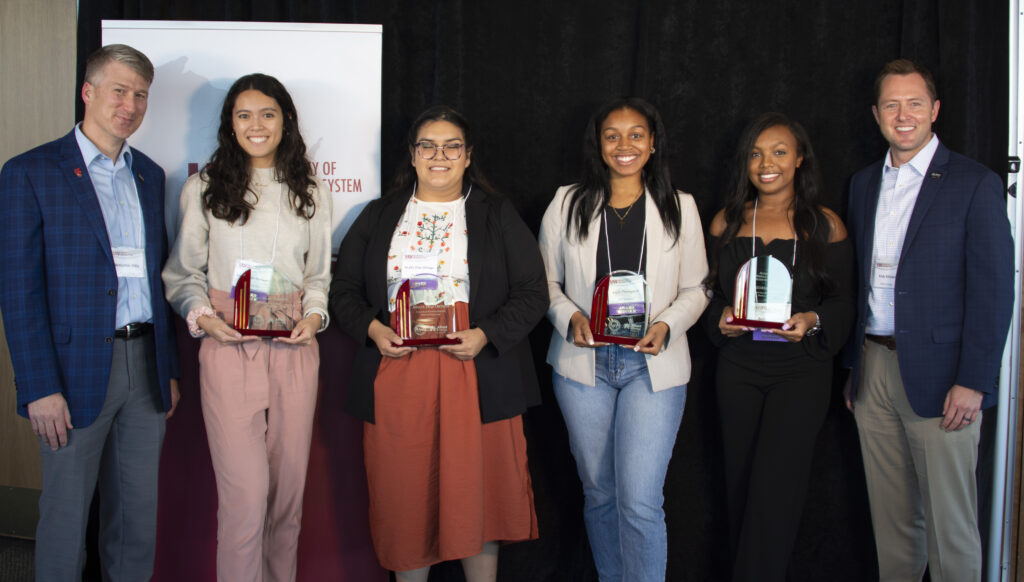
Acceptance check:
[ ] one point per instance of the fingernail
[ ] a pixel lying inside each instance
(786, 326)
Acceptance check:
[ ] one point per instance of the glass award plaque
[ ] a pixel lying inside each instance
(424, 312)
(763, 294)
(621, 309)
(265, 302)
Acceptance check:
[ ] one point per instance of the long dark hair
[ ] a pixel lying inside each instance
(406, 175)
(809, 220)
(594, 190)
(229, 170)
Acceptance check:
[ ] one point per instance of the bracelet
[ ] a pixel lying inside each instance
(193, 317)
(817, 324)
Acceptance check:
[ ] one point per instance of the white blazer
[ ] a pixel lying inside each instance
(674, 272)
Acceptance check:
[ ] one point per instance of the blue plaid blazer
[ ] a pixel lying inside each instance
(954, 282)
(58, 286)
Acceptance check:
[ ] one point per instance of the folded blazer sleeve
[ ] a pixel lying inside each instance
(988, 292)
(23, 290)
(554, 245)
(690, 298)
(348, 298)
(527, 297)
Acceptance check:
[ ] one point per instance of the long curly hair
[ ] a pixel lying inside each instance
(809, 220)
(406, 175)
(229, 171)
(593, 191)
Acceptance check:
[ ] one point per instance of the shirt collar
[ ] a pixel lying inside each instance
(90, 152)
(921, 161)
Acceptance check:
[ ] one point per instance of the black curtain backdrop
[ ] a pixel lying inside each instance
(528, 74)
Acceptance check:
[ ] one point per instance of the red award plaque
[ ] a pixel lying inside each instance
(420, 318)
(620, 311)
(265, 314)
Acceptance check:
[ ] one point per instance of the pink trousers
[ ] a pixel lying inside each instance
(258, 400)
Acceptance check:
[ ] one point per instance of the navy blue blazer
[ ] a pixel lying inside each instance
(59, 287)
(954, 282)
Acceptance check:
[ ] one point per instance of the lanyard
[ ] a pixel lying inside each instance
(608, 246)
(753, 236)
(277, 229)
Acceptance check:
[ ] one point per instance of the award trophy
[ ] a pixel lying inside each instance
(763, 294)
(264, 303)
(424, 312)
(621, 308)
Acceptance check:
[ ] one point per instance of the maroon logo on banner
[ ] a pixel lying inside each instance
(193, 167)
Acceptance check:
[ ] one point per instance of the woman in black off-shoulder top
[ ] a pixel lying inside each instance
(774, 386)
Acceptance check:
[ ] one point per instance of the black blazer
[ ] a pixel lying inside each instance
(508, 295)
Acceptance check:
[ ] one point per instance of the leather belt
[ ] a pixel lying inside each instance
(885, 340)
(133, 330)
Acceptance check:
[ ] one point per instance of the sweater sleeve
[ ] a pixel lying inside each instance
(185, 273)
(316, 273)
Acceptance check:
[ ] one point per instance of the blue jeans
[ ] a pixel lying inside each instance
(622, 434)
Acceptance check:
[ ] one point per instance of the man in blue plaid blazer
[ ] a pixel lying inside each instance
(935, 261)
(91, 336)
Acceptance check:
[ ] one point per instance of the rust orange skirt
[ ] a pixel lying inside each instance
(441, 483)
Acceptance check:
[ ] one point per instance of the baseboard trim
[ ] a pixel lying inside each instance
(19, 512)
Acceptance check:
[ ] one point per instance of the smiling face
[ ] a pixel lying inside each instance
(440, 178)
(626, 142)
(905, 112)
(258, 125)
(114, 106)
(773, 162)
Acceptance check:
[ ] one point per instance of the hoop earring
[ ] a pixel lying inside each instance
(652, 150)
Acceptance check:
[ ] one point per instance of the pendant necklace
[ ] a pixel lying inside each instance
(622, 217)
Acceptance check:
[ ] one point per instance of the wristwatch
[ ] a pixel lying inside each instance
(817, 324)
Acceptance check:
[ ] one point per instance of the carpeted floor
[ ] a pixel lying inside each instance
(16, 559)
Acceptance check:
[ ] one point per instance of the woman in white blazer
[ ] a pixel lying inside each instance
(623, 405)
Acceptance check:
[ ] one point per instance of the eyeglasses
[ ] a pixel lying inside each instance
(428, 150)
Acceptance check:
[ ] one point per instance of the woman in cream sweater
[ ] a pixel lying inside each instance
(257, 207)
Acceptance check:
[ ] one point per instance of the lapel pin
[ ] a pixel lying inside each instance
(141, 179)
(78, 172)
(936, 174)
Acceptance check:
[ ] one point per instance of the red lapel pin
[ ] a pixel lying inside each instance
(78, 172)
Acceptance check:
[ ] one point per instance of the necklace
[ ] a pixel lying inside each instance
(622, 217)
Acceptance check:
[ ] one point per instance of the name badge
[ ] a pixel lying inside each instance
(883, 273)
(259, 284)
(130, 263)
(414, 264)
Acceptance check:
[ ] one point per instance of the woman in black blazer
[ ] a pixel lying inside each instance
(443, 441)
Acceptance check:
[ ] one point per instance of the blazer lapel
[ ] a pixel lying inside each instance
(586, 254)
(930, 187)
(476, 225)
(380, 244)
(77, 175)
(655, 244)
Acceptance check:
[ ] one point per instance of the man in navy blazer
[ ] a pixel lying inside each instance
(90, 334)
(935, 260)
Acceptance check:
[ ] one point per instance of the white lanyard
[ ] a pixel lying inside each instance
(277, 229)
(608, 246)
(753, 236)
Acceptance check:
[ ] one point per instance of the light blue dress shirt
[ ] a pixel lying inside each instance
(896, 199)
(122, 213)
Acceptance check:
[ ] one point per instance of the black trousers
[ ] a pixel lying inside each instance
(771, 411)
